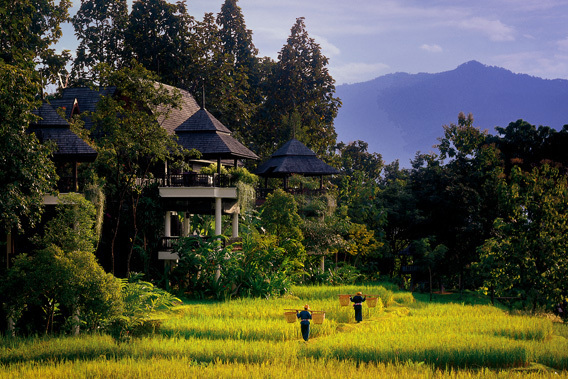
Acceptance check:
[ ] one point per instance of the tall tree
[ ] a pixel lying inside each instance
(358, 188)
(28, 29)
(99, 26)
(26, 170)
(457, 200)
(300, 82)
(236, 39)
(525, 145)
(355, 156)
(527, 255)
(238, 101)
(209, 73)
(399, 205)
(158, 37)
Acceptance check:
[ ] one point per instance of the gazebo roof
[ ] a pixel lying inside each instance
(202, 121)
(203, 132)
(177, 116)
(295, 158)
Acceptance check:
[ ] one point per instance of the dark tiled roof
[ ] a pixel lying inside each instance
(198, 129)
(195, 127)
(69, 145)
(176, 117)
(293, 148)
(295, 158)
(213, 145)
(202, 120)
(52, 127)
(86, 97)
(48, 117)
(83, 99)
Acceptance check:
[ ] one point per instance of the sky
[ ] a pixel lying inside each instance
(365, 39)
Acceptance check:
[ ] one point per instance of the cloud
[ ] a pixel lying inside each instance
(494, 29)
(328, 49)
(431, 48)
(535, 63)
(563, 44)
(357, 72)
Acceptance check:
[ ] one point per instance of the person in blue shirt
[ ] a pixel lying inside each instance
(305, 316)
(357, 301)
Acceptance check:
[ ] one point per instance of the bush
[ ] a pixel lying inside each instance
(141, 301)
(70, 289)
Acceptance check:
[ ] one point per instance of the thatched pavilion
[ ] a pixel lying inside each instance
(203, 132)
(293, 158)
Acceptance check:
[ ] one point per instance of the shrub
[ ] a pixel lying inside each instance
(141, 301)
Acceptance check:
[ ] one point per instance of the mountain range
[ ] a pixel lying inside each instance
(401, 114)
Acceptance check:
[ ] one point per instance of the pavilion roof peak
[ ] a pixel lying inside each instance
(295, 158)
(202, 121)
(293, 148)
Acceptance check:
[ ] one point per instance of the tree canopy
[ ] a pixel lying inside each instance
(28, 30)
(100, 28)
(27, 172)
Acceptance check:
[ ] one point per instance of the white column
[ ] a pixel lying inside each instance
(218, 229)
(186, 226)
(168, 224)
(235, 233)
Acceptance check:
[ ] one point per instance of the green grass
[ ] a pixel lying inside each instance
(404, 336)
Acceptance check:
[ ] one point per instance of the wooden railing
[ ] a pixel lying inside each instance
(167, 243)
(191, 179)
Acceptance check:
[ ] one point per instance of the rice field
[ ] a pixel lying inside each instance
(402, 336)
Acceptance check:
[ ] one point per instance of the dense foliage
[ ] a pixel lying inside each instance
(26, 170)
(483, 212)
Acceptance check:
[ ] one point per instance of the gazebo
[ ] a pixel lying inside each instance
(203, 132)
(294, 158)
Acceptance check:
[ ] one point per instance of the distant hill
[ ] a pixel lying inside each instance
(400, 114)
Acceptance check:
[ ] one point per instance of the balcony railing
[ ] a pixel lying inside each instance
(168, 243)
(191, 179)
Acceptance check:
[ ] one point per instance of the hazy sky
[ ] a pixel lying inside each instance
(364, 39)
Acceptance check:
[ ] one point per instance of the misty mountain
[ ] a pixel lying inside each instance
(400, 114)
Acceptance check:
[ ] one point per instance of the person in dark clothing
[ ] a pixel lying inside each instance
(305, 316)
(357, 301)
